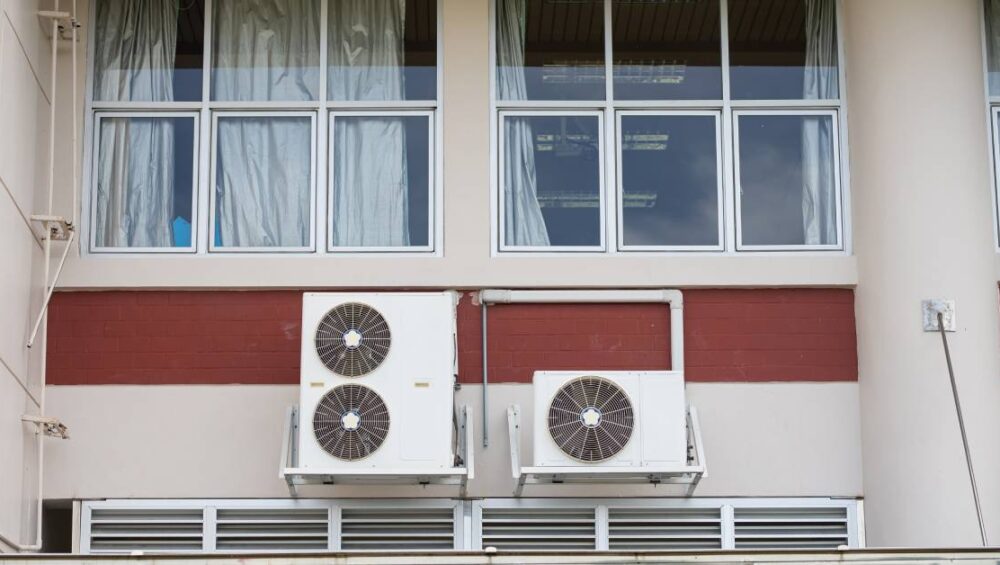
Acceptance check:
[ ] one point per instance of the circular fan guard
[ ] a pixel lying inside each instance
(591, 419)
(351, 422)
(353, 339)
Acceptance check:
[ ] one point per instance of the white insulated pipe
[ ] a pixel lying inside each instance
(672, 297)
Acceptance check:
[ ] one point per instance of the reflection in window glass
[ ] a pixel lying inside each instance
(550, 49)
(783, 49)
(670, 180)
(266, 50)
(552, 181)
(383, 50)
(381, 181)
(787, 180)
(263, 184)
(992, 17)
(667, 50)
(149, 51)
(145, 172)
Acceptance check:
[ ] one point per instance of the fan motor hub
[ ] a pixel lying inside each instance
(352, 339)
(590, 417)
(350, 421)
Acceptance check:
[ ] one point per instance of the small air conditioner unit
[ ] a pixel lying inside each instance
(609, 418)
(378, 374)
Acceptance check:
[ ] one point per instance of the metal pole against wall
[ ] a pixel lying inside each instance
(961, 428)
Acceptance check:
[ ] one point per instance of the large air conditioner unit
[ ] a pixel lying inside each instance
(378, 374)
(610, 419)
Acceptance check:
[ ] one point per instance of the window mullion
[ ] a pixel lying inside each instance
(610, 214)
(206, 143)
(729, 175)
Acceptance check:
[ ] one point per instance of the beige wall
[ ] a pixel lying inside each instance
(24, 124)
(922, 226)
(135, 441)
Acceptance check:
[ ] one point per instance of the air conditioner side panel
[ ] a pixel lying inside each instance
(662, 419)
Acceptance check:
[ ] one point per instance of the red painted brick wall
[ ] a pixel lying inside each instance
(202, 337)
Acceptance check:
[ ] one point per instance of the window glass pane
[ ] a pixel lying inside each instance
(667, 50)
(145, 172)
(148, 51)
(783, 49)
(381, 181)
(551, 181)
(263, 184)
(992, 16)
(670, 180)
(266, 50)
(383, 50)
(787, 176)
(550, 49)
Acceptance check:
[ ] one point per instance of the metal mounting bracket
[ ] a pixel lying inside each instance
(56, 228)
(51, 427)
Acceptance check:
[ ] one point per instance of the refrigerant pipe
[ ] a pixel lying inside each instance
(672, 297)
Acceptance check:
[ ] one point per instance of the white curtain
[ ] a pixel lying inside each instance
(370, 185)
(134, 54)
(993, 45)
(524, 224)
(265, 50)
(819, 194)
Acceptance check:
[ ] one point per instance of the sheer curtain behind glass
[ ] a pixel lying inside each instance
(370, 187)
(992, 13)
(264, 50)
(524, 224)
(134, 60)
(819, 192)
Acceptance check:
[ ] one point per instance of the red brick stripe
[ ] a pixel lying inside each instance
(217, 337)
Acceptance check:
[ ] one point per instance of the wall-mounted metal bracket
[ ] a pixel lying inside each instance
(689, 474)
(931, 309)
(56, 228)
(64, 20)
(47, 425)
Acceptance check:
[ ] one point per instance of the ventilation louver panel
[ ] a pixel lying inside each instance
(397, 529)
(570, 529)
(791, 528)
(272, 529)
(353, 339)
(157, 530)
(664, 529)
(351, 422)
(591, 419)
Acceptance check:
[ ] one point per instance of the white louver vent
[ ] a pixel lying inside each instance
(157, 530)
(397, 528)
(790, 528)
(539, 528)
(664, 529)
(272, 529)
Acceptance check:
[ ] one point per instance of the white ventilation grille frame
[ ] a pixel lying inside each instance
(436, 524)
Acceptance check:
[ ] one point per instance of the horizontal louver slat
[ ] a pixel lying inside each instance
(397, 528)
(539, 528)
(664, 529)
(271, 529)
(790, 528)
(146, 529)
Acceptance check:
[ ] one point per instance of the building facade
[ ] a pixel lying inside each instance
(805, 172)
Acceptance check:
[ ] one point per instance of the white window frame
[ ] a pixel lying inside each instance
(832, 114)
(431, 181)
(726, 106)
(206, 109)
(92, 185)
(602, 195)
(719, 175)
(212, 205)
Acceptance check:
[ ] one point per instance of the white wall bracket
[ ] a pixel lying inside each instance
(56, 228)
(295, 476)
(47, 425)
(689, 474)
(931, 309)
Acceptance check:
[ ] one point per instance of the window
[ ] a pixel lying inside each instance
(668, 125)
(231, 126)
(991, 16)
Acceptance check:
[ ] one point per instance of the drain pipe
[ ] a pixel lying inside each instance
(674, 298)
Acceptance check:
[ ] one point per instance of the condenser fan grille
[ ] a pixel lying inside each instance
(591, 419)
(351, 422)
(353, 339)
